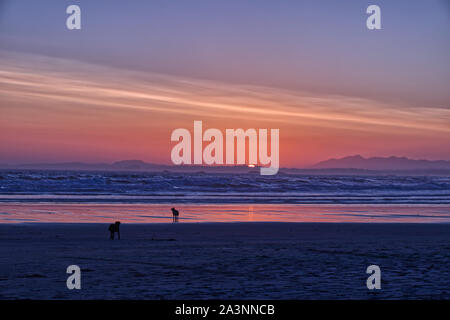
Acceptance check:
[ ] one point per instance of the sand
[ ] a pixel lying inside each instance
(160, 213)
(247, 260)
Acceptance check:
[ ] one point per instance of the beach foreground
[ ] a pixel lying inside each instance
(225, 261)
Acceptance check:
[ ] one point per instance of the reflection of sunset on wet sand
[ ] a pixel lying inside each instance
(160, 213)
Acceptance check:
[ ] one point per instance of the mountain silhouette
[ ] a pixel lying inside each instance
(348, 165)
(380, 163)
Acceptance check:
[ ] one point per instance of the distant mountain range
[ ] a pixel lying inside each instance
(347, 165)
(127, 165)
(378, 163)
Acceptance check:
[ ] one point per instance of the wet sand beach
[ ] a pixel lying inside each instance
(240, 260)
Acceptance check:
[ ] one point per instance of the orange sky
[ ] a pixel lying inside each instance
(55, 110)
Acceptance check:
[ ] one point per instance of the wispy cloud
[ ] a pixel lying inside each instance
(31, 77)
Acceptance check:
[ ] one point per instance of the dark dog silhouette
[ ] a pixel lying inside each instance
(175, 214)
(113, 228)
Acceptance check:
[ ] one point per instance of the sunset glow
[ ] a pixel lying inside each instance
(77, 96)
(86, 113)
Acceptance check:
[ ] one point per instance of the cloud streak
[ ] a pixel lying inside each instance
(67, 82)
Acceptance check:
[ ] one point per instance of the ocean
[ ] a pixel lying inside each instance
(83, 196)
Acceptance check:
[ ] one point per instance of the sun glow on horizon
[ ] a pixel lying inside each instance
(63, 110)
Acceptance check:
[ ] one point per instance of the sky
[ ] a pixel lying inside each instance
(118, 87)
